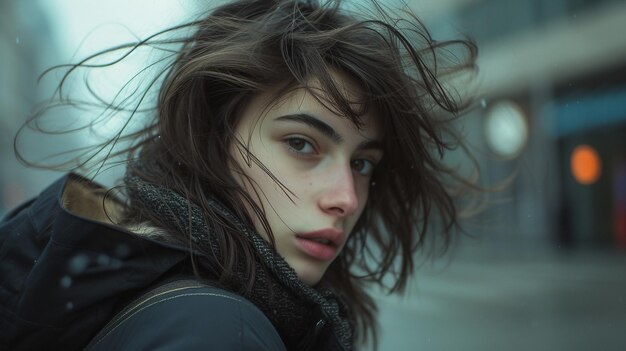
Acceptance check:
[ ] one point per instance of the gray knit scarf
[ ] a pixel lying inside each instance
(306, 318)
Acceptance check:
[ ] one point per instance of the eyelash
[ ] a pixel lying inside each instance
(289, 141)
(370, 169)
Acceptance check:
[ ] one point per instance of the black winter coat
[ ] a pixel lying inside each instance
(63, 276)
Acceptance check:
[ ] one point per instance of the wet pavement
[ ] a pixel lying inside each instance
(510, 299)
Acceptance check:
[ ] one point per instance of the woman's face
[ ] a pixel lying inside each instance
(325, 165)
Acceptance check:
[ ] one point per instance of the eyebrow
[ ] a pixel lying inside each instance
(327, 130)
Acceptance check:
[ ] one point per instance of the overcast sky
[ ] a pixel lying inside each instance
(85, 26)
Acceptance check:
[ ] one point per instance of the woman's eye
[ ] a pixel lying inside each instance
(362, 166)
(300, 145)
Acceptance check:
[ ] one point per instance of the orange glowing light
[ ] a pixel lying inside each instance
(586, 164)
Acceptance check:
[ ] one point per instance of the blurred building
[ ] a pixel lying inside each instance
(26, 45)
(551, 119)
(37, 35)
(558, 69)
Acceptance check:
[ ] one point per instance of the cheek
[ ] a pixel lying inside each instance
(363, 197)
(291, 177)
(249, 176)
(363, 193)
(270, 182)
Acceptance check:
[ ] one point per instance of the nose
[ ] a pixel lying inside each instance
(338, 196)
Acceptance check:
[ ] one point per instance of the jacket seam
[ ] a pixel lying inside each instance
(129, 316)
(139, 305)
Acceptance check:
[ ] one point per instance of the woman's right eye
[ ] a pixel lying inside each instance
(300, 145)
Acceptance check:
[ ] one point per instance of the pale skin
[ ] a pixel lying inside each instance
(323, 160)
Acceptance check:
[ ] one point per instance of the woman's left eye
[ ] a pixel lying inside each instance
(300, 145)
(363, 166)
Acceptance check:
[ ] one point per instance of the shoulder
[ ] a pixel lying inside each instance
(190, 318)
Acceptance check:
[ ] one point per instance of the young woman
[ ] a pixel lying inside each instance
(294, 158)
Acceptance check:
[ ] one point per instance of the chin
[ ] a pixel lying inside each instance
(310, 275)
(311, 281)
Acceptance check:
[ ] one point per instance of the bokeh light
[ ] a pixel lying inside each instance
(506, 129)
(586, 164)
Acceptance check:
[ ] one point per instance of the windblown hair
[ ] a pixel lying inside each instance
(245, 48)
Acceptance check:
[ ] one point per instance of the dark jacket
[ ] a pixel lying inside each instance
(63, 276)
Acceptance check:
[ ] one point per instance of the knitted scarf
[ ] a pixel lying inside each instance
(306, 318)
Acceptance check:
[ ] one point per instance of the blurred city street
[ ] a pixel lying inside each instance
(511, 300)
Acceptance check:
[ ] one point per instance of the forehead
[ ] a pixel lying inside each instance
(316, 101)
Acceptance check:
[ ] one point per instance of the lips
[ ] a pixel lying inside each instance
(321, 244)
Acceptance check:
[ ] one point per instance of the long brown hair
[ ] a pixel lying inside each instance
(246, 47)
